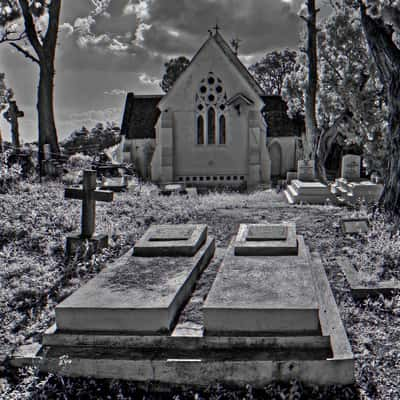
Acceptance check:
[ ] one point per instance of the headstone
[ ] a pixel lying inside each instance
(290, 176)
(171, 241)
(263, 293)
(89, 195)
(306, 170)
(351, 165)
(140, 295)
(354, 225)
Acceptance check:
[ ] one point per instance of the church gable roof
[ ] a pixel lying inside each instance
(234, 59)
(140, 116)
(230, 56)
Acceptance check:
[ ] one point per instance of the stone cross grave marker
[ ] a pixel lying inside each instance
(351, 167)
(12, 115)
(89, 195)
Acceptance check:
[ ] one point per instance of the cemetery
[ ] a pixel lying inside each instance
(235, 237)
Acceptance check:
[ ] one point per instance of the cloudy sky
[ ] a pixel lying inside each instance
(109, 47)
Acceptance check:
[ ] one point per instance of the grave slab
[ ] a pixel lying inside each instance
(135, 294)
(351, 226)
(362, 290)
(266, 240)
(171, 241)
(259, 295)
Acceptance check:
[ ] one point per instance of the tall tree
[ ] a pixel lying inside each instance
(173, 68)
(270, 72)
(22, 20)
(350, 102)
(381, 23)
(310, 99)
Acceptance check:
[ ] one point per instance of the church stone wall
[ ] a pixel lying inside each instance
(240, 158)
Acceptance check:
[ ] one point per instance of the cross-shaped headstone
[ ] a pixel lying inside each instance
(89, 195)
(12, 115)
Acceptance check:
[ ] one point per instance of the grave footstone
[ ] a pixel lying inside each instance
(351, 165)
(89, 195)
(267, 288)
(137, 294)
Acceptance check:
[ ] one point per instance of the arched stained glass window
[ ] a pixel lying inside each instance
(200, 129)
(211, 125)
(222, 130)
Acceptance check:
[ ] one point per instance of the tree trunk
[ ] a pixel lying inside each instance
(45, 107)
(311, 135)
(325, 144)
(387, 59)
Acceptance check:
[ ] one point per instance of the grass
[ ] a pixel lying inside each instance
(34, 277)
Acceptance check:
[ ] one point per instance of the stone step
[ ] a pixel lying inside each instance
(289, 198)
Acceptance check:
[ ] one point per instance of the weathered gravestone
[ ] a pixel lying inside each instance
(143, 291)
(305, 170)
(264, 286)
(89, 195)
(351, 167)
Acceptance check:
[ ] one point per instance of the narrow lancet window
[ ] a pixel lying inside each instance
(222, 130)
(211, 126)
(200, 130)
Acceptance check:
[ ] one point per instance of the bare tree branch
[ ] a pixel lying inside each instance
(24, 52)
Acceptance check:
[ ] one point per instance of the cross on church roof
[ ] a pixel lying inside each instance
(89, 195)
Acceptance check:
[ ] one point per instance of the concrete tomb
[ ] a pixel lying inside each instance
(308, 192)
(141, 293)
(264, 286)
(266, 317)
(350, 188)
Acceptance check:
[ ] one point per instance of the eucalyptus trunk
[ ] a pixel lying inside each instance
(310, 100)
(387, 59)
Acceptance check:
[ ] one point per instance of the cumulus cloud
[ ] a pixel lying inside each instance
(116, 92)
(148, 80)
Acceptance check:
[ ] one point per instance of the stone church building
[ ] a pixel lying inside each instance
(214, 127)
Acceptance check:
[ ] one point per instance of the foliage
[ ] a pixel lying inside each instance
(31, 27)
(270, 72)
(94, 141)
(348, 83)
(377, 254)
(10, 175)
(6, 94)
(173, 68)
